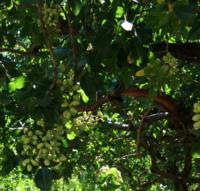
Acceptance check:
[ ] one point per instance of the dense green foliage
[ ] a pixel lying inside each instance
(99, 95)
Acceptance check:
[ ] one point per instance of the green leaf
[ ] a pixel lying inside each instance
(119, 12)
(9, 163)
(17, 84)
(61, 52)
(4, 99)
(195, 32)
(76, 7)
(71, 135)
(68, 125)
(84, 97)
(184, 12)
(43, 179)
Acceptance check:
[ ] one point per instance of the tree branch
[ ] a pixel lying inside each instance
(71, 33)
(184, 51)
(49, 46)
(139, 131)
(163, 101)
(34, 49)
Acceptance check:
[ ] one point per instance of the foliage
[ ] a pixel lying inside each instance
(100, 95)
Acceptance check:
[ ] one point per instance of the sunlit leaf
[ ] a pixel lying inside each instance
(17, 84)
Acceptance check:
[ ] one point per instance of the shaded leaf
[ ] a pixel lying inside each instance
(43, 179)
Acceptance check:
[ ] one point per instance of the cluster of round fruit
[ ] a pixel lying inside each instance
(170, 65)
(42, 148)
(86, 120)
(51, 16)
(157, 70)
(70, 101)
(71, 96)
(196, 117)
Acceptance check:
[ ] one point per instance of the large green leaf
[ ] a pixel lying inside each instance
(17, 84)
(43, 179)
(10, 161)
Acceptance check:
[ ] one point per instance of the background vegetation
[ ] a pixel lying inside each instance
(100, 95)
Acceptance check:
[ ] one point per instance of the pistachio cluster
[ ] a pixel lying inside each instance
(42, 148)
(170, 64)
(51, 16)
(71, 96)
(86, 120)
(196, 116)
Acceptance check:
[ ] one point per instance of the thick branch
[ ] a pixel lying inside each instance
(183, 51)
(162, 101)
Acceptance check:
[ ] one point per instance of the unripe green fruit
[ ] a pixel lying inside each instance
(196, 117)
(62, 88)
(35, 142)
(46, 162)
(65, 104)
(76, 88)
(44, 151)
(29, 168)
(34, 162)
(196, 108)
(75, 103)
(171, 72)
(67, 115)
(196, 125)
(47, 145)
(59, 129)
(38, 132)
(25, 140)
(26, 147)
(30, 133)
(76, 97)
(25, 130)
(40, 145)
(52, 143)
(35, 137)
(62, 158)
(73, 111)
(23, 153)
(44, 139)
(40, 122)
(25, 162)
(58, 137)
(160, 1)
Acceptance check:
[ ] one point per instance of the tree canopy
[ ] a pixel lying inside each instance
(104, 90)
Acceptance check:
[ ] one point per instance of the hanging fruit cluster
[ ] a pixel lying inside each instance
(71, 97)
(196, 116)
(160, 72)
(42, 148)
(51, 17)
(166, 69)
(170, 64)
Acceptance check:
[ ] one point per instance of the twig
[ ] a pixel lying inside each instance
(156, 117)
(71, 33)
(29, 52)
(125, 157)
(50, 48)
(139, 131)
